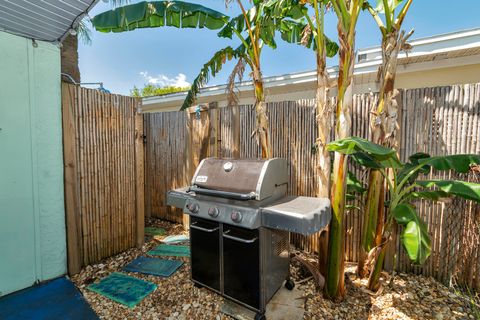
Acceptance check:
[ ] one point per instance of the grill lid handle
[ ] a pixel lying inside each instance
(223, 194)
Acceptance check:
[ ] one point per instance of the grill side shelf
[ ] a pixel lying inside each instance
(177, 198)
(304, 215)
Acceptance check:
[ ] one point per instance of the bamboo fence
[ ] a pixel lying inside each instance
(104, 174)
(438, 121)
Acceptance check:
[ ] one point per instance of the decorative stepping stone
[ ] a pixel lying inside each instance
(170, 250)
(123, 289)
(152, 231)
(153, 266)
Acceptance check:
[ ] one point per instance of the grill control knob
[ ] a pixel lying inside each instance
(193, 207)
(236, 216)
(213, 212)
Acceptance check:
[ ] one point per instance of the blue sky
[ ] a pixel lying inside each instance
(174, 56)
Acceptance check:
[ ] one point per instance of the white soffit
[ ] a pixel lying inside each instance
(47, 20)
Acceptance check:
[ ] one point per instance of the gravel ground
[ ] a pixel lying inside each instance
(405, 296)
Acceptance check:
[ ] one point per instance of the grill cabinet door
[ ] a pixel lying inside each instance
(241, 263)
(205, 252)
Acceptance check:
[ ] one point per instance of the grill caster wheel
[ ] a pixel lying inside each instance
(289, 284)
(260, 316)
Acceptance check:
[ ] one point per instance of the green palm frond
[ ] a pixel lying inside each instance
(211, 69)
(116, 3)
(84, 32)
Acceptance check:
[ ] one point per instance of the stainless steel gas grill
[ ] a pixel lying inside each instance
(240, 219)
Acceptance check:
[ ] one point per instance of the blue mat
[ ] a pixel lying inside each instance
(153, 266)
(170, 250)
(57, 299)
(123, 289)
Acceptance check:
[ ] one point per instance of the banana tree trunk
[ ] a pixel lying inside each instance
(323, 114)
(334, 287)
(384, 126)
(379, 258)
(370, 218)
(323, 126)
(263, 133)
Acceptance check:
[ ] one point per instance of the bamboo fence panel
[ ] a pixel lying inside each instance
(438, 121)
(173, 141)
(441, 121)
(104, 191)
(166, 135)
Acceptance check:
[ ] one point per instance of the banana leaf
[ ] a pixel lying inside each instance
(367, 161)
(293, 9)
(414, 237)
(392, 5)
(355, 190)
(211, 68)
(362, 148)
(433, 195)
(354, 185)
(466, 190)
(413, 163)
(158, 14)
(292, 31)
(459, 162)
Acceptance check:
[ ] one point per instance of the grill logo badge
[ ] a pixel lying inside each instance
(201, 179)
(228, 166)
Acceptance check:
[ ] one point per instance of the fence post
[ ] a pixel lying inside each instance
(72, 211)
(148, 195)
(139, 178)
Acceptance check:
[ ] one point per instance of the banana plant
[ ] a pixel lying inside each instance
(347, 12)
(404, 186)
(309, 32)
(389, 16)
(252, 28)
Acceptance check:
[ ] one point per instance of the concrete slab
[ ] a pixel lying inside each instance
(285, 305)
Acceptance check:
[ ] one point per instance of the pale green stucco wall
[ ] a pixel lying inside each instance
(32, 218)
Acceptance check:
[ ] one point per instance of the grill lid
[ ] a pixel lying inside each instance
(240, 179)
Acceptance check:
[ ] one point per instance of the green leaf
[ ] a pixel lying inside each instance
(414, 162)
(366, 160)
(351, 207)
(459, 162)
(433, 195)
(211, 68)
(354, 185)
(350, 197)
(466, 190)
(292, 31)
(354, 145)
(415, 238)
(158, 14)
(392, 5)
(293, 9)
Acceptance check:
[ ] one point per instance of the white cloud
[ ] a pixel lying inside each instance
(162, 80)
